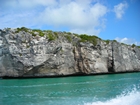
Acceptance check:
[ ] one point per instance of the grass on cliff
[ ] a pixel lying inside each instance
(91, 39)
(22, 29)
(54, 35)
(51, 37)
(123, 44)
(68, 36)
(107, 41)
(40, 32)
(133, 45)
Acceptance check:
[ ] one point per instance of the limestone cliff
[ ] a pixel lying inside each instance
(32, 53)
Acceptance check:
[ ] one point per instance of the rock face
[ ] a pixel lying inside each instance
(27, 54)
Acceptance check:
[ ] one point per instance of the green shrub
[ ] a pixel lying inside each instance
(68, 33)
(75, 34)
(56, 34)
(107, 41)
(41, 34)
(68, 37)
(138, 46)
(133, 45)
(123, 44)
(39, 31)
(22, 29)
(33, 34)
(51, 37)
(114, 40)
(49, 31)
(92, 39)
(36, 30)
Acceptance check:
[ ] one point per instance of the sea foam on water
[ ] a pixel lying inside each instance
(126, 98)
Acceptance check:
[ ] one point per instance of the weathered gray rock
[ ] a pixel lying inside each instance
(23, 55)
(125, 58)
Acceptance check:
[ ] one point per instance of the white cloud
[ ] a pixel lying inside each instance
(120, 9)
(88, 31)
(80, 16)
(127, 41)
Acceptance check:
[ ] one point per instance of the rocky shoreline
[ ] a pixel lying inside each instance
(61, 76)
(35, 53)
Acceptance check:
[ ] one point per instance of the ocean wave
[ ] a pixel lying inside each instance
(125, 98)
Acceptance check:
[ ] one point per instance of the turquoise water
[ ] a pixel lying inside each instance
(114, 89)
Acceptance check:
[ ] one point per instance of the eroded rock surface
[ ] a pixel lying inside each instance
(24, 54)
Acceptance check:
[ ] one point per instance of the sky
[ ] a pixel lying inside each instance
(108, 19)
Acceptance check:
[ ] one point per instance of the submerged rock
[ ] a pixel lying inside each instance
(25, 52)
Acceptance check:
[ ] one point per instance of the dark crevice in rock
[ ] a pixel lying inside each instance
(111, 62)
(110, 68)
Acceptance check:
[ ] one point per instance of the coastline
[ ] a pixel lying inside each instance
(61, 76)
(27, 53)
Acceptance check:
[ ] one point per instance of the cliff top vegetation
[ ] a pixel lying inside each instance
(53, 35)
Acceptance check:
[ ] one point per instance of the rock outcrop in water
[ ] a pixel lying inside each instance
(34, 53)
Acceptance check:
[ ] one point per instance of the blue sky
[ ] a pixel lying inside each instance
(108, 19)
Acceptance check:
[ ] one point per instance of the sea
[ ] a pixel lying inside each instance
(109, 89)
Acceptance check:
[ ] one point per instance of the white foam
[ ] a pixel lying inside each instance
(130, 98)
